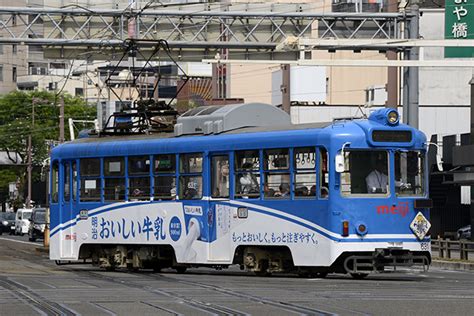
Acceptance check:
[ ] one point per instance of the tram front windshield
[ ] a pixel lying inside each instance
(367, 173)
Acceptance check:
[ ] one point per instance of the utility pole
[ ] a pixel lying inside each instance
(413, 97)
(285, 88)
(392, 72)
(61, 120)
(30, 149)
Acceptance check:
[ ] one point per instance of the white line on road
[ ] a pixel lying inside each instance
(20, 241)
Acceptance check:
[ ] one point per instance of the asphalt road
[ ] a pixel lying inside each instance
(30, 284)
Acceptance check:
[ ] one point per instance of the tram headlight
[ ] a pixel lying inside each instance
(392, 117)
(361, 229)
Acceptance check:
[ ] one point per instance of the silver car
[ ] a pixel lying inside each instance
(464, 232)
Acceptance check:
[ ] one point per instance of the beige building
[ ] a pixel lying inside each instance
(344, 85)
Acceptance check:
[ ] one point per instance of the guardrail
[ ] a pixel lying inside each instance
(447, 248)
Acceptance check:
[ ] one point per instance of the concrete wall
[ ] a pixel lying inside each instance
(444, 86)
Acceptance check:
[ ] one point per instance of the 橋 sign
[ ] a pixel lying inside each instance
(459, 24)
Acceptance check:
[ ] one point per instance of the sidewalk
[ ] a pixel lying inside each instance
(453, 264)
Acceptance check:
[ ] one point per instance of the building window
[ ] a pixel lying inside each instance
(14, 74)
(79, 92)
(1, 49)
(1, 72)
(14, 48)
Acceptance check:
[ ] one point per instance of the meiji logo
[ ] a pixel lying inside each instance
(402, 209)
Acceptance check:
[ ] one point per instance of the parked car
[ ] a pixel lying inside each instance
(37, 224)
(464, 232)
(7, 222)
(22, 221)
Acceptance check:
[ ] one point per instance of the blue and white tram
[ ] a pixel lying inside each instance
(347, 197)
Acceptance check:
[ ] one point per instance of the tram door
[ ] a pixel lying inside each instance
(68, 235)
(220, 211)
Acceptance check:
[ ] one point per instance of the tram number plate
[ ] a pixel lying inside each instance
(425, 246)
(83, 214)
(242, 212)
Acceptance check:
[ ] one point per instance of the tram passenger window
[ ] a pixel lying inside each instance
(323, 174)
(366, 172)
(114, 166)
(277, 173)
(54, 182)
(67, 183)
(139, 165)
(90, 167)
(114, 182)
(74, 181)
(220, 176)
(190, 163)
(247, 174)
(305, 172)
(165, 178)
(190, 180)
(139, 178)
(90, 179)
(409, 173)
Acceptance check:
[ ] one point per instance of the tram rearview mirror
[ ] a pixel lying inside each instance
(339, 163)
(439, 162)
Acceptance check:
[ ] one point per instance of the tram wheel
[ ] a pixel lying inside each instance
(180, 270)
(359, 276)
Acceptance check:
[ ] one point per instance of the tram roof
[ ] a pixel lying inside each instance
(243, 130)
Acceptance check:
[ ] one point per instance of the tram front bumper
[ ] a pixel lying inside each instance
(386, 257)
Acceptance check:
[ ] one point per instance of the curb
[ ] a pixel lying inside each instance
(42, 249)
(453, 265)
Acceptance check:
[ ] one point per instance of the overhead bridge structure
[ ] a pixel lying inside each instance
(192, 35)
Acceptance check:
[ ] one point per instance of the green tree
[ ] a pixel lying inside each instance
(16, 124)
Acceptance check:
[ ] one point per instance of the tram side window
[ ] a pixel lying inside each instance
(67, 184)
(323, 173)
(220, 176)
(190, 178)
(139, 178)
(114, 179)
(247, 174)
(165, 177)
(74, 181)
(366, 172)
(277, 173)
(90, 179)
(409, 173)
(55, 182)
(305, 172)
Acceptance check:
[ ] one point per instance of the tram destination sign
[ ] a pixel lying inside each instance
(391, 136)
(459, 24)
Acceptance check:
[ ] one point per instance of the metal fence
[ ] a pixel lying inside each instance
(452, 249)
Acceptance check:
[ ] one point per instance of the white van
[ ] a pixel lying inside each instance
(22, 221)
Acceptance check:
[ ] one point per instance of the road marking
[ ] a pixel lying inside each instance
(21, 241)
